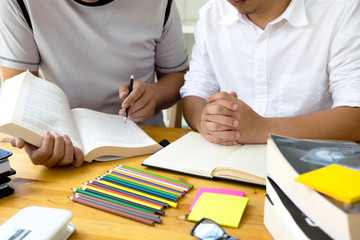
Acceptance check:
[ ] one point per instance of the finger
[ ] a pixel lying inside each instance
(137, 92)
(40, 155)
(220, 95)
(17, 142)
(68, 157)
(234, 94)
(124, 91)
(221, 106)
(146, 100)
(78, 157)
(225, 135)
(57, 151)
(220, 141)
(225, 124)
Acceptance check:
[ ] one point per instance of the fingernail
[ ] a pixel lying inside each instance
(235, 123)
(234, 106)
(237, 135)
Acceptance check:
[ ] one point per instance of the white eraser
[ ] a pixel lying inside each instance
(38, 223)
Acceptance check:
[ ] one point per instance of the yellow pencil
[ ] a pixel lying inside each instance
(171, 204)
(121, 197)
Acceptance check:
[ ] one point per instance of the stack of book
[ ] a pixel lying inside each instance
(5, 172)
(132, 193)
(296, 211)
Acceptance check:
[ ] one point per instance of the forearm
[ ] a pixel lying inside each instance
(338, 123)
(193, 108)
(7, 73)
(167, 88)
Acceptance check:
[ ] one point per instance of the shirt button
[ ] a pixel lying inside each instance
(261, 39)
(260, 75)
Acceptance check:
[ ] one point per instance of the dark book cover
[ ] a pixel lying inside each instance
(4, 192)
(304, 223)
(4, 180)
(8, 173)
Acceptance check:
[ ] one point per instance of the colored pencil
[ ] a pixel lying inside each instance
(114, 211)
(137, 188)
(122, 197)
(171, 203)
(138, 213)
(179, 192)
(149, 179)
(129, 193)
(157, 211)
(158, 176)
(142, 185)
(124, 194)
(125, 204)
(154, 179)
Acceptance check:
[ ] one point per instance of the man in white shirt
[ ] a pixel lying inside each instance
(90, 48)
(283, 67)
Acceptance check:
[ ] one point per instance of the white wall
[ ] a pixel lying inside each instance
(189, 13)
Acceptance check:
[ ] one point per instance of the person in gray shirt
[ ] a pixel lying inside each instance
(90, 48)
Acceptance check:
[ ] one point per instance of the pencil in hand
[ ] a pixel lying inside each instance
(130, 90)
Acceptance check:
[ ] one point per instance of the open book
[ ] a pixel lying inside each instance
(193, 154)
(30, 106)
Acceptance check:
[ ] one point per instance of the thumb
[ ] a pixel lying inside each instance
(78, 157)
(233, 94)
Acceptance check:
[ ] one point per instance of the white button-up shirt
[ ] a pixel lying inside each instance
(306, 60)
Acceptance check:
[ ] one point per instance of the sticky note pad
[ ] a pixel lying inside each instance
(215, 190)
(224, 209)
(339, 182)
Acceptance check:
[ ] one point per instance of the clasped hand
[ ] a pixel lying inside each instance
(227, 120)
(141, 101)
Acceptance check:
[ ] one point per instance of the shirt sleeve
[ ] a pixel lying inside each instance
(344, 64)
(170, 53)
(18, 49)
(200, 80)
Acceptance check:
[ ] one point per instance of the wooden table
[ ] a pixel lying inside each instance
(37, 185)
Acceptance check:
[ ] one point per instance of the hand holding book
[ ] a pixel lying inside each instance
(32, 106)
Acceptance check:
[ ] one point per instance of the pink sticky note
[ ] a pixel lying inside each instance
(216, 190)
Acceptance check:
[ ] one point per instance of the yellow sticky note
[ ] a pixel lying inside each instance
(339, 182)
(224, 209)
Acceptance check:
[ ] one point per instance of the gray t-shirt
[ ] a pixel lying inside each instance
(90, 50)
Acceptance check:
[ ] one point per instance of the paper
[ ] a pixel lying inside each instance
(224, 209)
(215, 190)
(339, 182)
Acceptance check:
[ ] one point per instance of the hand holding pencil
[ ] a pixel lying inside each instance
(130, 90)
(139, 100)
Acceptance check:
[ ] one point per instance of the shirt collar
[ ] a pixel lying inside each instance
(295, 14)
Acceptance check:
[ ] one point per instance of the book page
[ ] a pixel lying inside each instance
(192, 153)
(249, 159)
(98, 129)
(42, 106)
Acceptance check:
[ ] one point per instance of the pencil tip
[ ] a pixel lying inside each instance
(132, 76)
(125, 119)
